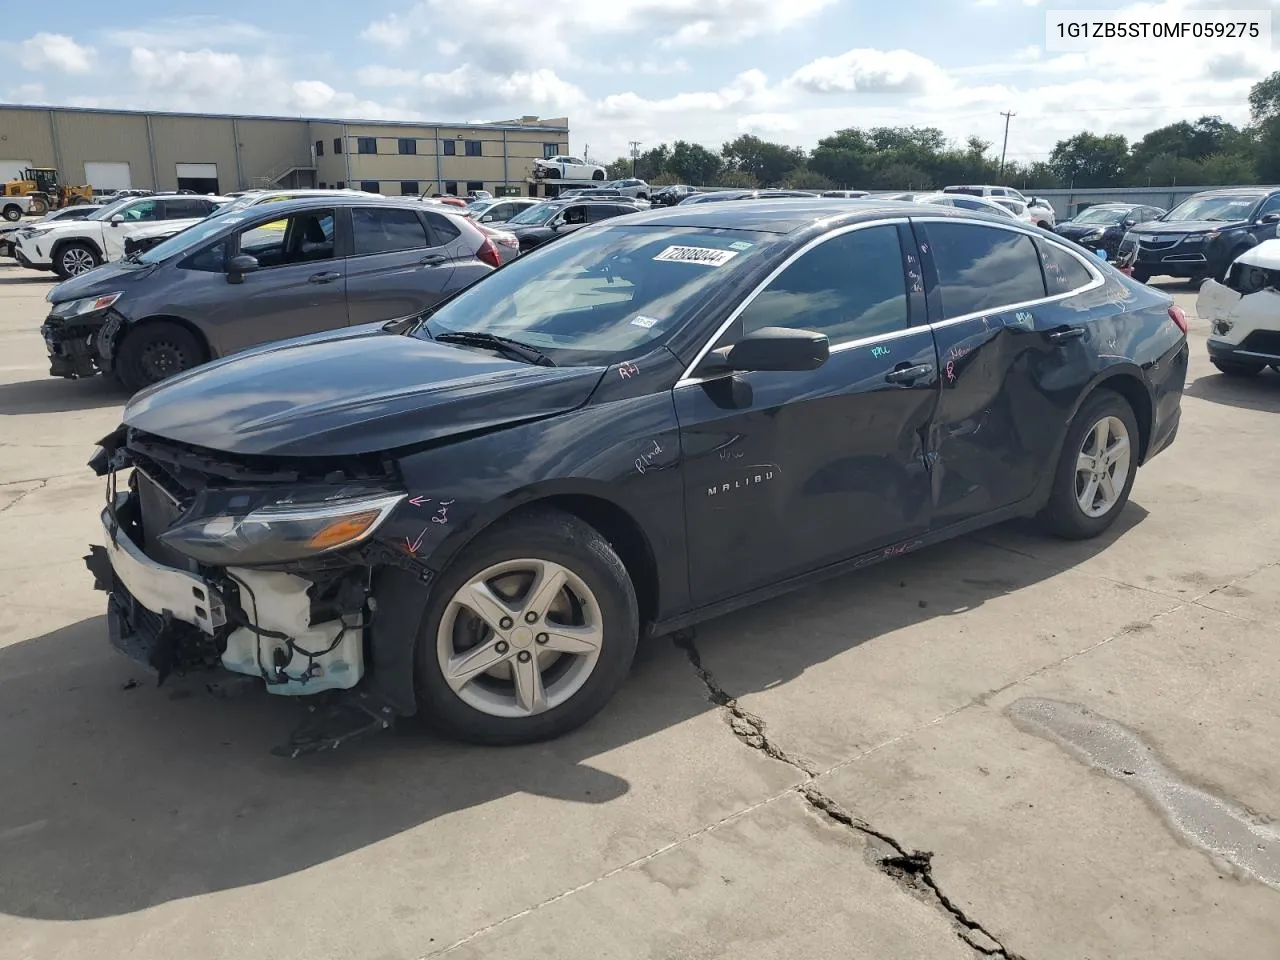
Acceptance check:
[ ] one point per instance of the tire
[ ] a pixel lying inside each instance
(642, 196)
(12, 212)
(486, 708)
(39, 207)
(1141, 275)
(597, 175)
(75, 259)
(1064, 515)
(1238, 368)
(154, 351)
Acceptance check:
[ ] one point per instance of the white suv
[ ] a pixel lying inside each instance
(70, 248)
(1244, 312)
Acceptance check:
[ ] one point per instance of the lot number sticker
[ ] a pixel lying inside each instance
(703, 256)
(643, 321)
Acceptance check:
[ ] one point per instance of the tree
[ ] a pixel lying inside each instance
(693, 163)
(618, 169)
(845, 158)
(1264, 99)
(1089, 160)
(765, 161)
(652, 162)
(736, 180)
(803, 178)
(1264, 108)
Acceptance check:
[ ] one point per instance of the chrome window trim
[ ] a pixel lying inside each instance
(687, 378)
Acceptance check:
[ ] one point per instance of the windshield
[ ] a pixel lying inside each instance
(602, 294)
(188, 238)
(537, 214)
(1103, 215)
(1226, 208)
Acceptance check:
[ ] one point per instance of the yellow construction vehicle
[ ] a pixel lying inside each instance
(43, 190)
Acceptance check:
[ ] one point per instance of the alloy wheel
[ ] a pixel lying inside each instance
(76, 261)
(1102, 466)
(520, 638)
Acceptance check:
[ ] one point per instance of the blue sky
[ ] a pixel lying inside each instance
(648, 70)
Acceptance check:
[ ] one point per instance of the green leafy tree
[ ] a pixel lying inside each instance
(1090, 160)
(618, 169)
(802, 178)
(846, 158)
(1264, 108)
(652, 162)
(765, 161)
(693, 164)
(736, 180)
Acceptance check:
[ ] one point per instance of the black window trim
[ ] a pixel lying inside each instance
(687, 378)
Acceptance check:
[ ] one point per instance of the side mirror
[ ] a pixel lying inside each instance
(239, 265)
(774, 349)
(1273, 217)
(117, 219)
(1131, 222)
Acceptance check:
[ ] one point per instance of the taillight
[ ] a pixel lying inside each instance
(488, 253)
(1178, 317)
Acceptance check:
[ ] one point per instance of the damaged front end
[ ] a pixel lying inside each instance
(72, 340)
(263, 567)
(1244, 309)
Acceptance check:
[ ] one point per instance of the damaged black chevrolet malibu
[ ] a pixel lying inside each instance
(474, 514)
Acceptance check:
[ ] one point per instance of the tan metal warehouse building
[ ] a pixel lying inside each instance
(118, 149)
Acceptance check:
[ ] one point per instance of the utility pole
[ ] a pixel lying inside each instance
(635, 153)
(1007, 116)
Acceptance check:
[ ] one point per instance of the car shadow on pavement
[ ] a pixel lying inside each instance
(17, 275)
(1252, 393)
(59, 395)
(119, 795)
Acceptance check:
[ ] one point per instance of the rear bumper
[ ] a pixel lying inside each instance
(1240, 352)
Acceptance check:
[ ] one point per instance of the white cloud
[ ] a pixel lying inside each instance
(26, 93)
(182, 32)
(55, 51)
(870, 71)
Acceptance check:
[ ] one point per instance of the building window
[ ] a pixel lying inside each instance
(450, 148)
(474, 185)
(451, 188)
(408, 146)
(342, 184)
(370, 186)
(550, 150)
(319, 148)
(366, 144)
(337, 146)
(409, 188)
(473, 148)
(323, 185)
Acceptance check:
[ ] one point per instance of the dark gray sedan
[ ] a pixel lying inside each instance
(268, 273)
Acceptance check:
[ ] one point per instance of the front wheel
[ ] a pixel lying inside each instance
(1237, 368)
(597, 175)
(529, 633)
(155, 351)
(74, 259)
(1096, 469)
(13, 213)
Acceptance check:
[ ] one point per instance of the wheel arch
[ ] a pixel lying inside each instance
(591, 503)
(62, 243)
(129, 329)
(1126, 380)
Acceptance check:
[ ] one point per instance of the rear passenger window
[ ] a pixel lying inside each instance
(982, 268)
(850, 287)
(386, 231)
(1063, 272)
(444, 230)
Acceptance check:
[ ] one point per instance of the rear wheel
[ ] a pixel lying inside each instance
(1237, 368)
(597, 175)
(156, 351)
(73, 259)
(529, 633)
(12, 212)
(1096, 469)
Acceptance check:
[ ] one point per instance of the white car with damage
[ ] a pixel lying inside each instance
(1243, 311)
(70, 248)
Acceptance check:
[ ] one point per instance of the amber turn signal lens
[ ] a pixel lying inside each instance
(342, 531)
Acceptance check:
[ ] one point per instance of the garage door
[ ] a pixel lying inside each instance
(10, 169)
(200, 177)
(105, 177)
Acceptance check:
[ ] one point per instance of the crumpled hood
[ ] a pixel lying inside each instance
(348, 392)
(107, 278)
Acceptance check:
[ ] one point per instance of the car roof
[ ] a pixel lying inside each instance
(340, 200)
(784, 215)
(1236, 192)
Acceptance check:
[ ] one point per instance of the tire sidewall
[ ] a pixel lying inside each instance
(128, 364)
(62, 271)
(10, 210)
(559, 538)
(1065, 513)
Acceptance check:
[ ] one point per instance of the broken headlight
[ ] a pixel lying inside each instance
(280, 532)
(76, 308)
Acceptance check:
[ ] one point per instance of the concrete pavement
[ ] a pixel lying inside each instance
(839, 773)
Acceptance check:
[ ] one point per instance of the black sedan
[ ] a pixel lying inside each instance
(1103, 225)
(554, 219)
(476, 513)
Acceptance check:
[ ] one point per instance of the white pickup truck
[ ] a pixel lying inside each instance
(14, 209)
(72, 248)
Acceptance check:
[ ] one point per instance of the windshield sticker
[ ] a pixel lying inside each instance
(740, 245)
(703, 256)
(643, 321)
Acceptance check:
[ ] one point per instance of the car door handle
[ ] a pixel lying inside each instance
(432, 259)
(1065, 334)
(909, 374)
(327, 277)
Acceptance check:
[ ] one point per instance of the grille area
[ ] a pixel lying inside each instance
(159, 512)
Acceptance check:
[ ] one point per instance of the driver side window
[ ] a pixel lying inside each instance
(850, 287)
(1271, 205)
(142, 212)
(300, 238)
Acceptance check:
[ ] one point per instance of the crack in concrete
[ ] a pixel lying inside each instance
(39, 485)
(911, 869)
